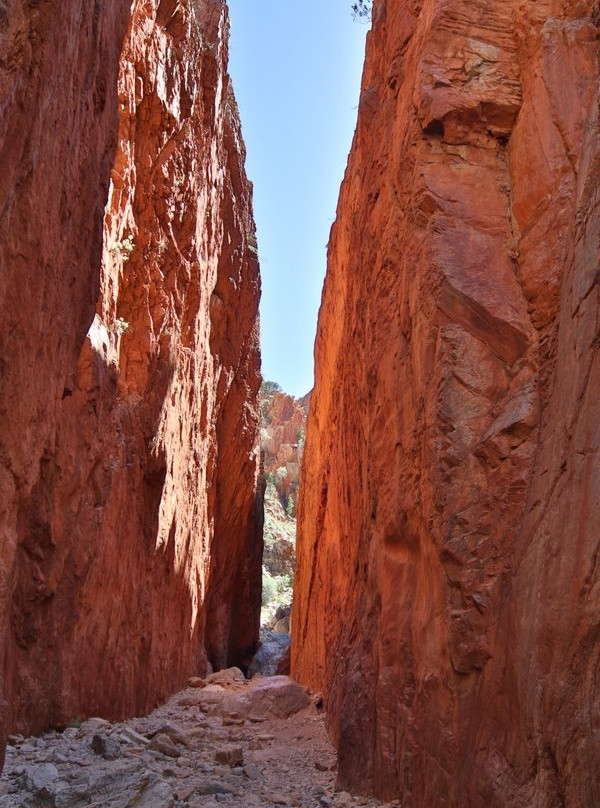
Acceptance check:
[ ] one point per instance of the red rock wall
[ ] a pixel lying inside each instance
(58, 132)
(447, 589)
(131, 534)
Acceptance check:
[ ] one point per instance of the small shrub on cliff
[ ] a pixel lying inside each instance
(276, 592)
(267, 388)
(118, 326)
(124, 248)
(278, 525)
(361, 9)
(269, 588)
(276, 588)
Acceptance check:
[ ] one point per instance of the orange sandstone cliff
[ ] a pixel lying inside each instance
(129, 361)
(448, 588)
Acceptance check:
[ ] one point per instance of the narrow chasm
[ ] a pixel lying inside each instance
(130, 429)
(441, 648)
(282, 435)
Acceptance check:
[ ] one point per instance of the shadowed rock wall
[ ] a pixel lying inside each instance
(131, 541)
(447, 587)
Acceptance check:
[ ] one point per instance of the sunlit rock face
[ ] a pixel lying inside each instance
(129, 370)
(447, 591)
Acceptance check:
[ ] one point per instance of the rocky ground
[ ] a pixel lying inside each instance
(225, 742)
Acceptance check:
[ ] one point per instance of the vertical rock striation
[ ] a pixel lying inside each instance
(58, 128)
(447, 588)
(131, 535)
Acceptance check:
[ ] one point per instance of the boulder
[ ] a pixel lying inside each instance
(106, 747)
(230, 756)
(273, 648)
(226, 678)
(163, 744)
(272, 697)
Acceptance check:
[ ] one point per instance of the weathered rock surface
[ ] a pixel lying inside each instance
(447, 584)
(129, 457)
(125, 784)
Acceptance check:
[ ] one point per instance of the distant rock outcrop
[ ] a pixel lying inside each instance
(283, 423)
(283, 427)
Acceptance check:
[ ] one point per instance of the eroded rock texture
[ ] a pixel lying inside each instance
(130, 534)
(448, 590)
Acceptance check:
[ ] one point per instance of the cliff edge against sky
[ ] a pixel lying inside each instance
(447, 587)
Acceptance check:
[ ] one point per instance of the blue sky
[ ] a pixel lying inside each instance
(296, 67)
